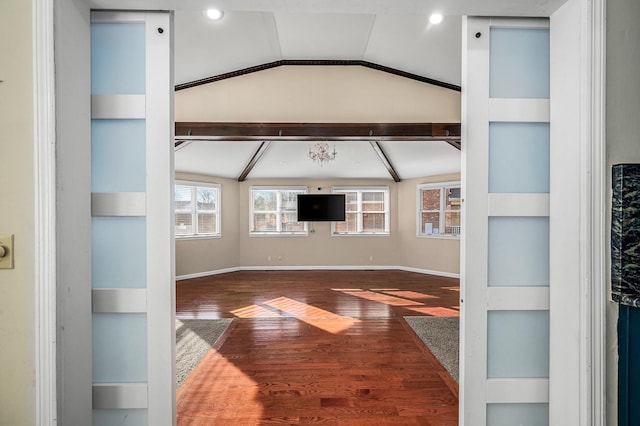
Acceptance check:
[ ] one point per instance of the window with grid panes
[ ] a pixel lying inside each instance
(367, 211)
(439, 209)
(274, 211)
(197, 209)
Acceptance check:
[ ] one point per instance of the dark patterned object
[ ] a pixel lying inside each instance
(625, 234)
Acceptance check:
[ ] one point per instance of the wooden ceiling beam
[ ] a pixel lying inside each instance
(385, 160)
(316, 62)
(228, 131)
(254, 160)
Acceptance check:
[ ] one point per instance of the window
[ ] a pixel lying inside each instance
(367, 211)
(274, 211)
(197, 207)
(439, 209)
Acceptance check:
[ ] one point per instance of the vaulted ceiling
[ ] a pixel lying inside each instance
(393, 34)
(406, 42)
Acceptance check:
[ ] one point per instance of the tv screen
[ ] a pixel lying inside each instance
(321, 207)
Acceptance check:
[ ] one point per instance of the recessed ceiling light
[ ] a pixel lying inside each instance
(215, 14)
(435, 18)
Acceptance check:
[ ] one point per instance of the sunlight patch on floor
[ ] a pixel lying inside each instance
(194, 394)
(255, 311)
(311, 315)
(381, 298)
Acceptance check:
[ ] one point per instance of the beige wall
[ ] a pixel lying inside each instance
(623, 132)
(318, 94)
(320, 248)
(209, 254)
(430, 253)
(17, 327)
(237, 249)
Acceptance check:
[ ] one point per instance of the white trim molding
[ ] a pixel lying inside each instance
(44, 212)
(578, 107)
(161, 298)
(597, 263)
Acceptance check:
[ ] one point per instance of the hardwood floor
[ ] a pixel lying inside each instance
(318, 347)
(356, 294)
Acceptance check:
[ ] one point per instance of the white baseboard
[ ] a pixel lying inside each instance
(429, 272)
(205, 273)
(319, 268)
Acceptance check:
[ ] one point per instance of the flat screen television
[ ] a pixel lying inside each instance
(321, 207)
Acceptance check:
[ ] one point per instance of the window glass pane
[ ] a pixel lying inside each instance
(519, 63)
(196, 209)
(430, 223)
(118, 155)
(431, 199)
(275, 210)
(373, 201)
(518, 251)
(289, 201)
(372, 196)
(517, 344)
(351, 201)
(535, 414)
(519, 157)
(290, 224)
(263, 222)
(118, 58)
(206, 198)
(119, 347)
(184, 225)
(120, 417)
(206, 223)
(183, 198)
(119, 252)
(265, 200)
(373, 222)
(349, 225)
(452, 198)
(452, 223)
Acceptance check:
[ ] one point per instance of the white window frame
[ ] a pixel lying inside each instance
(278, 232)
(442, 186)
(194, 210)
(359, 213)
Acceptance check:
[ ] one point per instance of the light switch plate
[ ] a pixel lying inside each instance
(6, 241)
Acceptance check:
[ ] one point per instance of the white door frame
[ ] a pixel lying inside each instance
(590, 333)
(44, 196)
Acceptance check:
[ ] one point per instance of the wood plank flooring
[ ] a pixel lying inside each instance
(356, 294)
(318, 347)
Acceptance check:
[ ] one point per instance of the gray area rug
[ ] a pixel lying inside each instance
(440, 335)
(194, 338)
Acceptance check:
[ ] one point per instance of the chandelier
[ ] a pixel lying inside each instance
(320, 153)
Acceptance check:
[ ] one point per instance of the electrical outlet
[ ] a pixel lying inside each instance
(6, 251)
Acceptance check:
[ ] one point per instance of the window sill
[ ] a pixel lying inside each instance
(362, 234)
(197, 237)
(271, 234)
(439, 237)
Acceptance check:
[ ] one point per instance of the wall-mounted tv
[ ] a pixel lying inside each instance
(321, 207)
